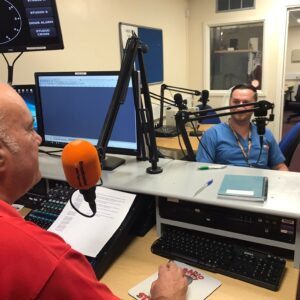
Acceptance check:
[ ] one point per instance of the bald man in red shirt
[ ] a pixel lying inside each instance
(37, 264)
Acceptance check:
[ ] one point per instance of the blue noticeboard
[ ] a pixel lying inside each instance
(153, 59)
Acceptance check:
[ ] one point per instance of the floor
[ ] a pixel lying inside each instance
(295, 164)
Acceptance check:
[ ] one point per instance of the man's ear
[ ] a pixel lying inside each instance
(2, 156)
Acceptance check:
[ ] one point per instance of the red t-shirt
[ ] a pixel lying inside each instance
(37, 264)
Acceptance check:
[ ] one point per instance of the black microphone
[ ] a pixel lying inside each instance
(260, 119)
(204, 98)
(180, 103)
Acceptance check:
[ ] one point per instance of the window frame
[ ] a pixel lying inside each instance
(207, 51)
(234, 9)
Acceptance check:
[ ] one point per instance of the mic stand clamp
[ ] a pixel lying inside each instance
(90, 196)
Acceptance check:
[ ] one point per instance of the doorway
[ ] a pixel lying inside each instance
(292, 80)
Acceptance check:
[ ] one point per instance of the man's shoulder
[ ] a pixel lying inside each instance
(221, 127)
(16, 232)
(29, 250)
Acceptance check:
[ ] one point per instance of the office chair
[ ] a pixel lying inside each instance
(288, 97)
(295, 106)
(212, 120)
(215, 120)
(289, 143)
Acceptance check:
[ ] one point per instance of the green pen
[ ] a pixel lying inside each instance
(212, 167)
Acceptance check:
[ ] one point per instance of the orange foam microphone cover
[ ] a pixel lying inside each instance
(81, 164)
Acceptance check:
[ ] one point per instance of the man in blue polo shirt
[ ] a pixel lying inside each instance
(237, 142)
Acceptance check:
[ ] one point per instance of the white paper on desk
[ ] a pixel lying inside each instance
(89, 235)
(199, 288)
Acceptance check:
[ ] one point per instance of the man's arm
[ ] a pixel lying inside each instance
(280, 167)
(74, 278)
(276, 158)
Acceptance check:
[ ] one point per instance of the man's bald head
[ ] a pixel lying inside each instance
(9, 101)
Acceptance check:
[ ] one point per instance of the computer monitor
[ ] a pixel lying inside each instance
(27, 92)
(29, 25)
(73, 105)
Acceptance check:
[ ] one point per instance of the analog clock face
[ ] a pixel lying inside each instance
(11, 24)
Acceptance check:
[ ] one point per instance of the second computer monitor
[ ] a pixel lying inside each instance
(73, 105)
(27, 92)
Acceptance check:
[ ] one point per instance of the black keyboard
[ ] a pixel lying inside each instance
(166, 131)
(226, 256)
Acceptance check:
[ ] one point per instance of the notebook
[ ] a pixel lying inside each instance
(244, 187)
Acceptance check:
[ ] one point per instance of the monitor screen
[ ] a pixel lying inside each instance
(27, 92)
(29, 25)
(73, 105)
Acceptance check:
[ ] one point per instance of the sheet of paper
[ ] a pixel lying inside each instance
(89, 235)
(200, 287)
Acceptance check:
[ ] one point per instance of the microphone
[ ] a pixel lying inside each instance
(204, 98)
(261, 128)
(260, 119)
(82, 169)
(180, 103)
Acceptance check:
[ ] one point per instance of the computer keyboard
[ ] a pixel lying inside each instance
(226, 256)
(166, 131)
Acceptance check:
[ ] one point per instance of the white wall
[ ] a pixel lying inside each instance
(293, 43)
(203, 13)
(91, 38)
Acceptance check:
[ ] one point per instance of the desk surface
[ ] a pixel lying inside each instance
(180, 179)
(172, 143)
(137, 263)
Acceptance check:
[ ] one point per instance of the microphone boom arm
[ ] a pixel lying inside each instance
(164, 87)
(260, 110)
(181, 90)
(132, 51)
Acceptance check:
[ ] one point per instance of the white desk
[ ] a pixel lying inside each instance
(180, 180)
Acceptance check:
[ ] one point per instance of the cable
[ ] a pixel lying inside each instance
(258, 159)
(51, 153)
(199, 140)
(77, 210)
(10, 68)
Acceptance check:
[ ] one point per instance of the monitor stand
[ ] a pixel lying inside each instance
(111, 162)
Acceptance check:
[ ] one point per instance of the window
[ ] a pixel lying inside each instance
(236, 55)
(225, 5)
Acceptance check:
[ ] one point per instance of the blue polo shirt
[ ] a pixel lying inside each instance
(221, 144)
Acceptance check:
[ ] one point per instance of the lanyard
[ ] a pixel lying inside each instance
(246, 155)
